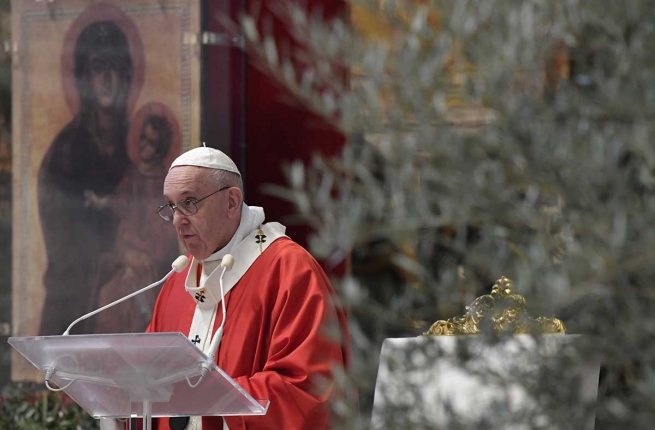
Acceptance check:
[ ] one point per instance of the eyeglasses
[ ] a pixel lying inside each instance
(187, 207)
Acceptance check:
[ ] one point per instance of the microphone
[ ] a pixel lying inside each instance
(178, 266)
(226, 263)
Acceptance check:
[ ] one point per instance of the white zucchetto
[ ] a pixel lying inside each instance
(206, 157)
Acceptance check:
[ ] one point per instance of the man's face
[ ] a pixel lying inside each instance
(209, 229)
(148, 143)
(104, 80)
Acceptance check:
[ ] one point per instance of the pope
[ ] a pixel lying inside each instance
(284, 334)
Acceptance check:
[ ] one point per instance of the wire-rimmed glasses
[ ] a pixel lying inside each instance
(187, 207)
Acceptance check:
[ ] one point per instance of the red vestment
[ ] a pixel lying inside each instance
(283, 335)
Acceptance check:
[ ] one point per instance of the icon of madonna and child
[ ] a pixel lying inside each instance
(101, 181)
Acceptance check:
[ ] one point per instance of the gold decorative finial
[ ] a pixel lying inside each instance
(502, 311)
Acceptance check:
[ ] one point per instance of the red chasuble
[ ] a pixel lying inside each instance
(283, 335)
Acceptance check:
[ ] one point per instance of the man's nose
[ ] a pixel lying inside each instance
(179, 218)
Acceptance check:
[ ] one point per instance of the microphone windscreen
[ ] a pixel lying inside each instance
(180, 263)
(227, 261)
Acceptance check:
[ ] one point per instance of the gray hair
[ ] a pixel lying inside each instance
(223, 178)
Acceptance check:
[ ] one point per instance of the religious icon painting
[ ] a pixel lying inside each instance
(105, 96)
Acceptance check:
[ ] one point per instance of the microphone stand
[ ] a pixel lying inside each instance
(226, 264)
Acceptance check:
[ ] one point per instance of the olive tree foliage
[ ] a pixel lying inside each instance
(484, 138)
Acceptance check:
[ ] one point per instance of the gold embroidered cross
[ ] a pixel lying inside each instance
(261, 239)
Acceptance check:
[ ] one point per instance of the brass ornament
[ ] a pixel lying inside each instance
(503, 311)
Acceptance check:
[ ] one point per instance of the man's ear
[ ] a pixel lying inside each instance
(234, 201)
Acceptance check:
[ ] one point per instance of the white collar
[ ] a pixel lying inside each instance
(251, 218)
(245, 254)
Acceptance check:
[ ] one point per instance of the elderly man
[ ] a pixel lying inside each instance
(284, 334)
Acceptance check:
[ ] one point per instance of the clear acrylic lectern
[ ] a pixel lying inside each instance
(137, 375)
